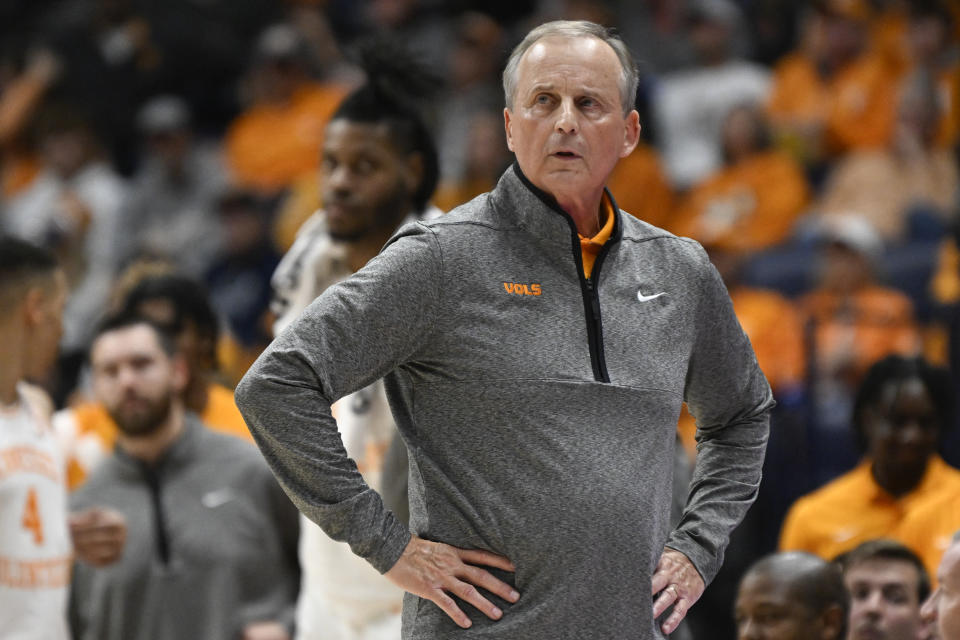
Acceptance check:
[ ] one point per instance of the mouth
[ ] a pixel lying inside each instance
(565, 155)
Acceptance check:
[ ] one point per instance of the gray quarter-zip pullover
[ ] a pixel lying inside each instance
(539, 409)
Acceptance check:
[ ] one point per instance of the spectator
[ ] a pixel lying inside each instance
(930, 529)
(900, 409)
(887, 585)
(642, 187)
(910, 177)
(212, 540)
(689, 106)
(73, 207)
(832, 94)
(182, 306)
(170, 214)
(751, 203)
(275, 140)
(239, 278)
(791, 596)
(943, 606)
(486, 158)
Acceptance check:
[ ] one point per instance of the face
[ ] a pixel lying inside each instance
(902, 427)
(766, 610)
(46, 315)
(884, 600)
(135, 378)
(943, 605)
(367, 183)
(566, 125)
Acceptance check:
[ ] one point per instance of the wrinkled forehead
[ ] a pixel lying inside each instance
(565, 54)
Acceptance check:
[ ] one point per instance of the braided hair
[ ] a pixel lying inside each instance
(396, 81)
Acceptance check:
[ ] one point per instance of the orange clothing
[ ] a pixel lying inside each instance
(945, 285)
(450, 195)
(929, 530)
(269, 146)
(640, 186)
(856, 107)
(854, 508)
(853, 332)
(590, 247)
(749, 206)
(89, 433)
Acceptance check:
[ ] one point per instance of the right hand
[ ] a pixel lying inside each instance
(432, 569)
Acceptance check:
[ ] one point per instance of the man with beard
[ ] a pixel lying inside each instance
(379, 169)
(887, 584)
(211, 546)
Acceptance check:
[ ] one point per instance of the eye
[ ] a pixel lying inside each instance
(542, 98)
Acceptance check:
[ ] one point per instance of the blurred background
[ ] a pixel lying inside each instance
(811, 146)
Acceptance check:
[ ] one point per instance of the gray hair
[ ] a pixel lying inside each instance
(575, 29)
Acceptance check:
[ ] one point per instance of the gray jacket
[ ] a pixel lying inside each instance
(539, 408)
(211, 544)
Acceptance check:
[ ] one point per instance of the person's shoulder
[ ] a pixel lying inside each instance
(636, 230)
(476, 211)
(853, 487)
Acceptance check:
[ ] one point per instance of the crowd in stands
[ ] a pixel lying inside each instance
(169, 152)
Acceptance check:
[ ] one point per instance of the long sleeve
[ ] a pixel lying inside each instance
(353, 334)
(731, 401)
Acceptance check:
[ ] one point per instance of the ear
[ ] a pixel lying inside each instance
(631, 133)
(34, 307)
(508, 129)
(181, 372)
(832, 623)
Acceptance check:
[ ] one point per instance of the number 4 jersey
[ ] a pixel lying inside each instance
(35, 549)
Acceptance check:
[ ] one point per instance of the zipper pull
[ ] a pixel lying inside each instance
(594, 299)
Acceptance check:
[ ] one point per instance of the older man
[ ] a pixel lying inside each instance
(942, 608)
(537, 345)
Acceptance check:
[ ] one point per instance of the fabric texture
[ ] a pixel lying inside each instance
(230, 540)
(539, 409)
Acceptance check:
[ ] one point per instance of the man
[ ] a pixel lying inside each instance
(182, 306)
(791, 596)
(538, 400)
(379, 168)
(899, 412)
(211, 548)
(887, 584)
(942, 608)
(35, 538)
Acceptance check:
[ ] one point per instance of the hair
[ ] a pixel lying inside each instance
(395, 81)
(124, 320)
(189, 300)
(629, 77)
(20, 264)
(897, 368)
(814, 582)
(887, 550)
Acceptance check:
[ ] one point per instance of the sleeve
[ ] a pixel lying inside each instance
(731, 401)
(353, 334)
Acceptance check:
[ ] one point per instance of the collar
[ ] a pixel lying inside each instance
(601, 237)
(932, 479)
(519, 203)
(179, 454)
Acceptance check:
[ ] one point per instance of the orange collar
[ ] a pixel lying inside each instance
(606, 210)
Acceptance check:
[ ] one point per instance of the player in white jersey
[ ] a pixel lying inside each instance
(379, 170)
(35, 546)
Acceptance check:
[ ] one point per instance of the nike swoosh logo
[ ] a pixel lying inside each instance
(217, 498)
(643, 298)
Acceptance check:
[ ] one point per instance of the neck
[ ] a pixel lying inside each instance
(585, 212)
(148, 448)
(362, 250)
(898, 482)
(11, 359)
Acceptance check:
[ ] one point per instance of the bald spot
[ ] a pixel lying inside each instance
(805, 577)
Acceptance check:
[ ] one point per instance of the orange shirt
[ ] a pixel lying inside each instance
(88, 433)
(853, 509)
(860, 329)
(929, 530)
(590, 247)
(749, 206)
(269, 146)
(640, 186)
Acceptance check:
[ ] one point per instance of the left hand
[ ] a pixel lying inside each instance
(98, 535)
(265, 631)
(679, 584)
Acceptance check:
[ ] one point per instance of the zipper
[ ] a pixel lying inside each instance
(152, 476)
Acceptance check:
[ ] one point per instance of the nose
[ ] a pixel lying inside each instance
(567, 117)
(749, 630)
(928, 612)
(338, 179)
